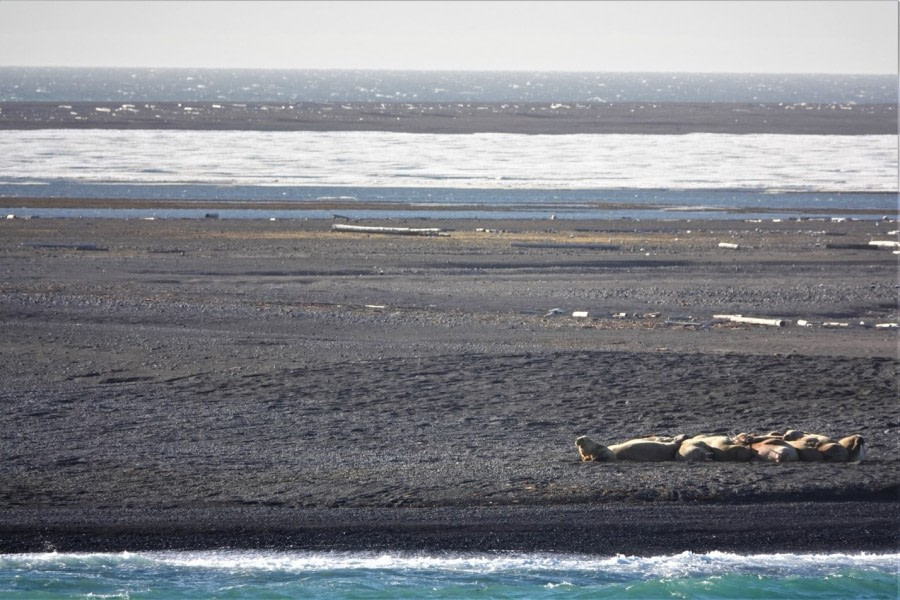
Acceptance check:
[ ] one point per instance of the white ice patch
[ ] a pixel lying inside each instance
(512, 161)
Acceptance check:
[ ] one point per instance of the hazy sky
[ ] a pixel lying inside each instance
(811, 36)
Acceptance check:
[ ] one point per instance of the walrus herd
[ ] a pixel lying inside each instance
(792, 445)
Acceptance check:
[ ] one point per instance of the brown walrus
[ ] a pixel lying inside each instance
(807, 453)
(834, 452)
(850, 448)
(855, 445)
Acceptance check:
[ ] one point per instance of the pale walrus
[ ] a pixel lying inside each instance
(646, 450)
(694, 451)
(714, 447)
(776, 451)
(591, 450)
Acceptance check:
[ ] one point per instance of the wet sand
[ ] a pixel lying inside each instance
(461, 117)
(274, 384)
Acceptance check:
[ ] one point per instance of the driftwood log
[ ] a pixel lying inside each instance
(388, 230)
(752, 320)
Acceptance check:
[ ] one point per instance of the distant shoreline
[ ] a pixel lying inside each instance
(542, 118)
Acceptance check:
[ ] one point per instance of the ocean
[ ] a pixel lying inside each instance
(375, 174)
(326, 575)
(282, 85)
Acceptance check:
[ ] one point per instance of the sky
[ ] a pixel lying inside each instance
(769, 36)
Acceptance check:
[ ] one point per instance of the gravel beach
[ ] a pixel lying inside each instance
(275, 384)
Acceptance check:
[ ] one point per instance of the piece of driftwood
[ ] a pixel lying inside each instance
(751, 320)
(850, 247)
(564, 246)
(729, 246)
(685, 321)
(886, 244)
(82, 247)
(388, 230)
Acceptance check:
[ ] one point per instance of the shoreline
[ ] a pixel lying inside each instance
(251, 384)
(599, 530)
(13, 202)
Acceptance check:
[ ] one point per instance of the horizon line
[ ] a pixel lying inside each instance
(453, 70)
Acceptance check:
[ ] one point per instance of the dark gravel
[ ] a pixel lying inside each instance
(277, 385)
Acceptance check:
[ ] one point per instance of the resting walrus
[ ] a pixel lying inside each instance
(813, 446)
(645, 450)
(855, 445)
(776, 451)
(714, 447)
(591, 450)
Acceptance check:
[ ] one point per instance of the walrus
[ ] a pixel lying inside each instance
(811, 440)
(645, 450)
(855, 445)
(591, 450)
(642, 449)
(776, 451)
(748, 439)
(834, 452)
(666, 438)
(714, 447)
(807, 453)
(850, 448)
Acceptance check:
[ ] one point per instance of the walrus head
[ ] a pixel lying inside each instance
(591, 450)
(792, 435)
(855, 445)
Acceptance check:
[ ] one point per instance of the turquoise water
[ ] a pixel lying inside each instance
(245, 574)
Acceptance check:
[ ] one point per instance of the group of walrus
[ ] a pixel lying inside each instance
(792, 445)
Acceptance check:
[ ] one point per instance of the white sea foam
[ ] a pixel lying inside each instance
(493, 161)
(686, 564)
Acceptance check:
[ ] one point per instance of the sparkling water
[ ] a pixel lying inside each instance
(271, 85)
(495, 575)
